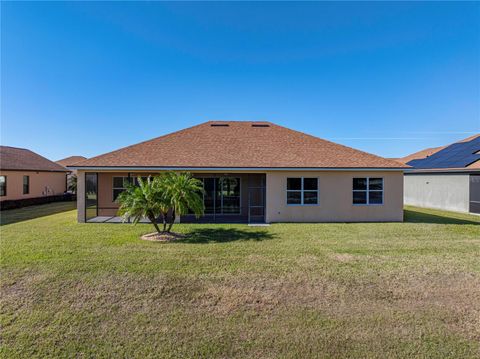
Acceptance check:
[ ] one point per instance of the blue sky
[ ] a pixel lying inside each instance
(387, 78)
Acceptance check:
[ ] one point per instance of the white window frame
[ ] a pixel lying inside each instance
(367, 191)
(302, 191)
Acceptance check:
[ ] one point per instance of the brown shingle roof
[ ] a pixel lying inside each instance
(21, 159)
(239, 144)
(70, 161)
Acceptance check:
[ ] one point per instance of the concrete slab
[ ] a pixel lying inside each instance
(99, 219)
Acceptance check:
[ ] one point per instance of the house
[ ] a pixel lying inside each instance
(26, 177)
(70, 161)
(252, 172)
(446, 177)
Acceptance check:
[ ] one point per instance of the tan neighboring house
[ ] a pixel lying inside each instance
(252, 172)
(25, 174)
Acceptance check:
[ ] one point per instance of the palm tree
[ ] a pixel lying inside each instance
(183, 193)
(142, 201)
(161, 187)
(72, 184)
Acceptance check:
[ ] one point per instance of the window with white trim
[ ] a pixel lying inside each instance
(367, 191)
(302, 191)
(120, 184)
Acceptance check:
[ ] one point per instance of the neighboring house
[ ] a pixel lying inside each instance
(252, 172)
(70, 161)
(25, 175)
(445, 177)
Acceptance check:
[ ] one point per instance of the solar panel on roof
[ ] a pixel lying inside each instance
(457, 155)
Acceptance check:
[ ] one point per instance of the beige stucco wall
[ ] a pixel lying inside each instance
(335, 204)
(335, 198)
(41, 184)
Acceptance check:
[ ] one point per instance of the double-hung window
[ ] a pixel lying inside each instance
(119, 185)
(367, 191)
(26, 184)
(302, 191)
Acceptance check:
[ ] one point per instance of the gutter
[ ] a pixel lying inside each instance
(255, 169)
(442, 170)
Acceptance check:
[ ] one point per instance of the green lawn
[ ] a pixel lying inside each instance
(369, 290)
(31, 212)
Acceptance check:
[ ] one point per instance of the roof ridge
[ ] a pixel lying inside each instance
(18, 148)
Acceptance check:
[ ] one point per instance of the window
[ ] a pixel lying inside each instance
(119, 185)
(3, 186)
(368, 191)
(302, 191)
(26, 184)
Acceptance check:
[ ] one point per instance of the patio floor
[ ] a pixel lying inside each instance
(111, 219)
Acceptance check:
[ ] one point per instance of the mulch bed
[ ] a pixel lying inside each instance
(163, 237)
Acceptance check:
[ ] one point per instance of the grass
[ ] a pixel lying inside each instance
(31, 212)
(369, 290)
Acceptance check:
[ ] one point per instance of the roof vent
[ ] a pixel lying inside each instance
(260, 125)
(219, 125)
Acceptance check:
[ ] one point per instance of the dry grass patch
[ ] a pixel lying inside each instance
(163, 237)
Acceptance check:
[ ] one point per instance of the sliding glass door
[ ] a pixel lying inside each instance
(229, 193)
(222, 195)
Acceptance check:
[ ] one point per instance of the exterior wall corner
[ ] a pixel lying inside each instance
(81, 197)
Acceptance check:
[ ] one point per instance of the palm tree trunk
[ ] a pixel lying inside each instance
(164, 218)
(152, 219)
(156, 226)
(172, 220)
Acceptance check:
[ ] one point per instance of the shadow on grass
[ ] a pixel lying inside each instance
(10, 216)
(224, 235)
(413, 216)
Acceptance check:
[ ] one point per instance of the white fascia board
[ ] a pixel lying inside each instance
(249, 169)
